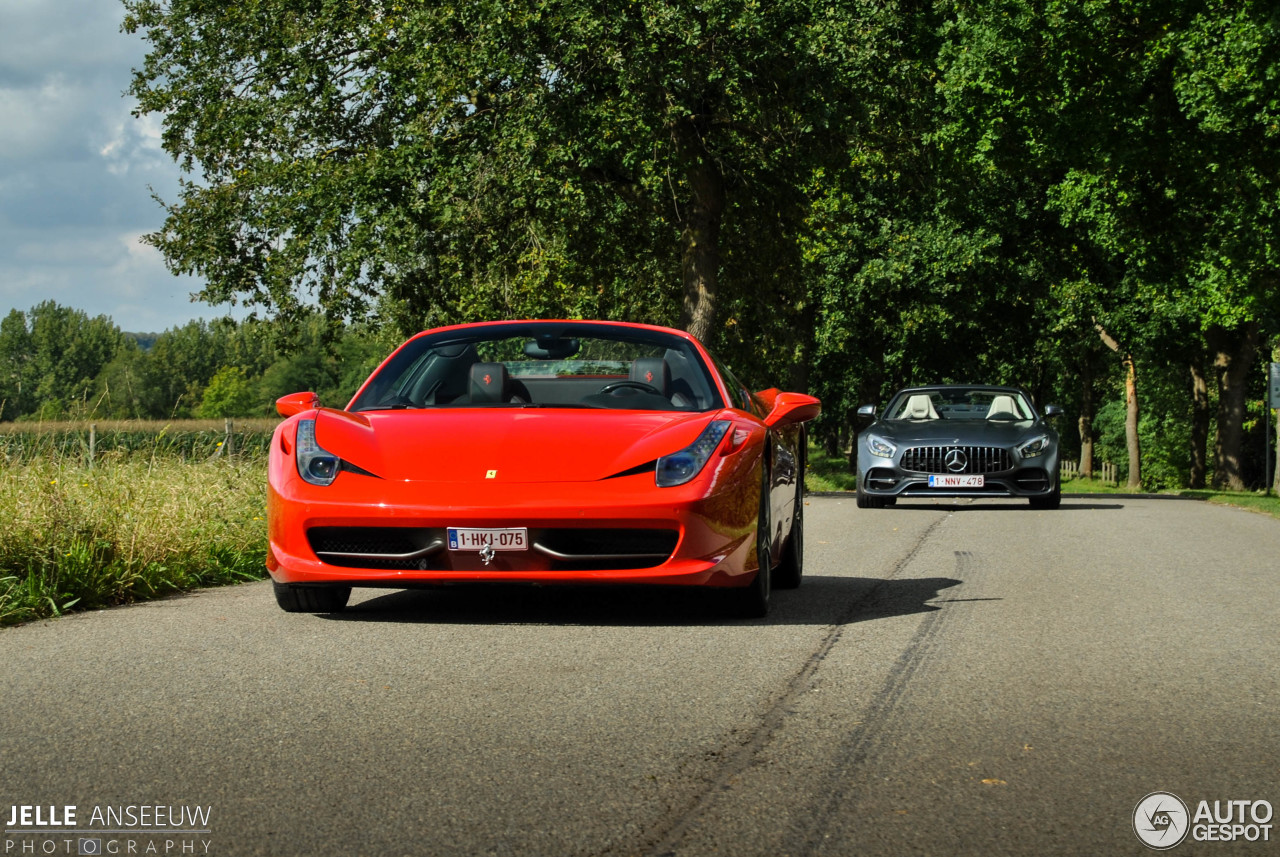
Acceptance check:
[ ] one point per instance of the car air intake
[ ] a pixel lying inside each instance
(556, 549)
(573, 548)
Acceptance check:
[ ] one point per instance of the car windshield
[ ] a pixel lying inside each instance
(960, 403)
(543, 365)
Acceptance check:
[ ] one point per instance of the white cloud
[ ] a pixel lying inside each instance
(76, 168)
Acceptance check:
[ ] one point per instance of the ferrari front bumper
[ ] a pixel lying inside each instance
(709, 528)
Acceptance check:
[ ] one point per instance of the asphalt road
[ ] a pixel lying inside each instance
(952, 678)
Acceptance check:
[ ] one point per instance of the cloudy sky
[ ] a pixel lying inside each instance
(76, 170)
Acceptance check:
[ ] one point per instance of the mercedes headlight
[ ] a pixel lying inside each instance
(1038, 446)
(879, 446)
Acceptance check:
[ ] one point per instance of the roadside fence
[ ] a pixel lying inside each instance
(1106, 471)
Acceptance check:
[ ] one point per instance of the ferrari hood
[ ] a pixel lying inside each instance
(505, 445)
(957, 432)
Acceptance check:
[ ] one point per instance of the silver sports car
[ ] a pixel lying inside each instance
(959, 440)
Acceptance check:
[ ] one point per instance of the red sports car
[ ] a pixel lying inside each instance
(541, 452)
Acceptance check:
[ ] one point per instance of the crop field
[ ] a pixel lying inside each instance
(114, 441)
(162, 508)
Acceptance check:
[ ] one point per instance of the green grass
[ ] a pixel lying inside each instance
(72, 538)
(1094, 486)
(828, 472)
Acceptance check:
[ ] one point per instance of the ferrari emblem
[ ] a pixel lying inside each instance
(648, 376)
(487, 553)
(488, 379)
(491, 474)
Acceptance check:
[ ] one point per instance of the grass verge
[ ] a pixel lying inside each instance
(826, 472)
(76, 539)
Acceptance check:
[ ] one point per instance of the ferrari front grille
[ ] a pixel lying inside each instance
(557, 549)
(956, 459)
(571, 548)
(376, 547)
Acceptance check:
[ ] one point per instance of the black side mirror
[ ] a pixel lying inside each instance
(867, 412)
(1052, 411)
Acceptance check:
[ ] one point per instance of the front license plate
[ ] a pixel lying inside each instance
(966, 481)
(503, 539)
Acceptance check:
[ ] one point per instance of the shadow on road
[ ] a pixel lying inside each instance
(820, 601)
(960, 505)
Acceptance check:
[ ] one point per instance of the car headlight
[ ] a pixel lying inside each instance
(1032, 448)
(315, 464)
(880, 447)
(679, 467)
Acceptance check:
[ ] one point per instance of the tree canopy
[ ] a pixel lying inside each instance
(850, 196)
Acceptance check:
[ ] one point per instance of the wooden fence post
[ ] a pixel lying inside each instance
(228, 442)
(93, 443)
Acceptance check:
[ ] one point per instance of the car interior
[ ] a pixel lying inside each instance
(960, 405)
(524, 372)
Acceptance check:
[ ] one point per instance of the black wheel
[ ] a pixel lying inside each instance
(311, 599)
(790, 569)
(1050, 501)
(866, 501)
(752, 600)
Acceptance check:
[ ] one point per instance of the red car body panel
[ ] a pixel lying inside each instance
(543, 469)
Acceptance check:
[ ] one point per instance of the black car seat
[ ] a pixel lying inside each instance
(489, 384)
(654, 372)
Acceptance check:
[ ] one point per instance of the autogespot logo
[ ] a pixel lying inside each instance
(1161, 820)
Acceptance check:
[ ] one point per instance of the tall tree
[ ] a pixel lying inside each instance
(464, 159)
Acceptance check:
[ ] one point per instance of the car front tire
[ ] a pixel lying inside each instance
(866, 501)
(311, 599)
(1050, 501)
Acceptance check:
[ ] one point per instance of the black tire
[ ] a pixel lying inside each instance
(311, 599)
(866, 501)
(790, 570)
(1050, 501)
(752, 601)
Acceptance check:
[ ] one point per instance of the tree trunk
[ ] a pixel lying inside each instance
(1131, 422)
(1234, 355)
(1130, 407)
(1275, 479)
(1086, 416)
(1199, 425)
(700, 262)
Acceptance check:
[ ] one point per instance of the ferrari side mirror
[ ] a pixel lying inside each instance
(792, 409)
(296, 403)
(1051, 411)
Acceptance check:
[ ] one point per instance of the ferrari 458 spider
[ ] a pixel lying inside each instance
(540, 452)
